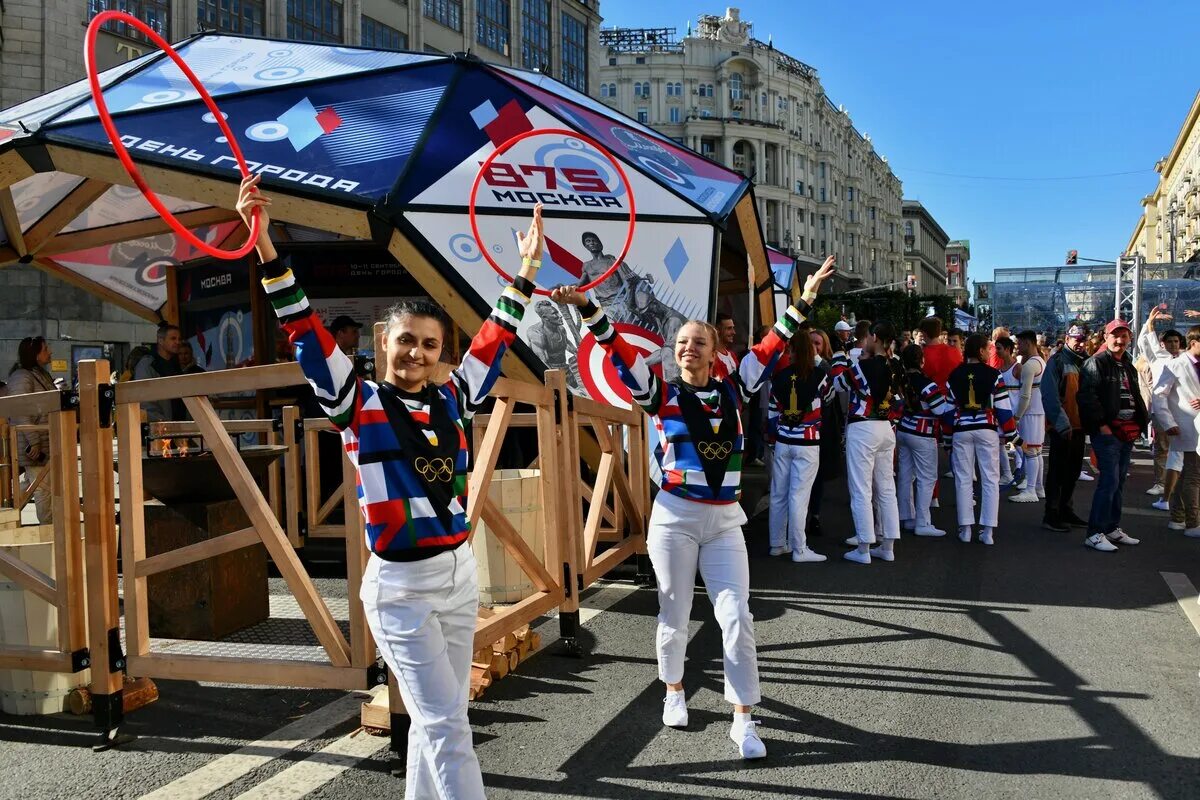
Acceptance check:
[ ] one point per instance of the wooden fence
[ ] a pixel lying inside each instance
(594, 517)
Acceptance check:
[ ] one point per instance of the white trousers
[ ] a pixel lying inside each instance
(980, 449)
(793, 470)
(1006, 472)
(422, 614)
(918, 471)
(685, 535)
(870, 450)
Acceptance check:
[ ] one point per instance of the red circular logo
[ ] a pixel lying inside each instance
(598, 372)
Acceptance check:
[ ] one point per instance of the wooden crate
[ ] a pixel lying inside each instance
(26, 619)
(516, 492)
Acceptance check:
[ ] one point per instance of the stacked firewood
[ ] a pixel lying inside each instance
(493, 663)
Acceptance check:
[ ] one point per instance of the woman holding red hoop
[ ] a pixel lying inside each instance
(697, 520)
(407, 441)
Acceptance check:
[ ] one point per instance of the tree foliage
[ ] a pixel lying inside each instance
(901, 309)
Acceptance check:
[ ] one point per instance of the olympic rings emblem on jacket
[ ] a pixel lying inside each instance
(712, 451)
(435, 469)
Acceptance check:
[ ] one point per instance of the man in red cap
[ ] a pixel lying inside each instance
(1113, 414)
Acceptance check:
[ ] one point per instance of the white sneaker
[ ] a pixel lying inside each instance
(852, 541)
(929, 531)
(1178, 526)
(985, 536)
(806, 556)
(1024, 497)
(1193, 533)
(1121, 537)
(1083, 476)
(857, 557)
(964, 533)
(883, 555)
(1098, 541)
(745, 736)
(778, 551)
(1023, 485)
(934, 503)
(1161, 505)
(948, 473)
(1156, 490)
(675, 710)
(1041, 493)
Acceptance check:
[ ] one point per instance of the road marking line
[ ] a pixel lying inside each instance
(1186, 595)
(229, 768)
(318, 769)
(603, 600)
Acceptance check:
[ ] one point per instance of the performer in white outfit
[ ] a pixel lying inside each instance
(1168, 450)
(917, 441)
(874, 385)
(799, 394)
(1176, 410)
(1031, 418)
(1010, 373)
(696, 522)
(978, 406)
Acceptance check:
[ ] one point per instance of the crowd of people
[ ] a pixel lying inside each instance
(1011, 415)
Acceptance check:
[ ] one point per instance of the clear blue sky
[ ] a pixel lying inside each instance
(1019, 90)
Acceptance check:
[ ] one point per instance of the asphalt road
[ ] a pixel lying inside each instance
(1035, 668)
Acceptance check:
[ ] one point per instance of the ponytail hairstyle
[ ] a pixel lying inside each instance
(803, 353)
(912, 358)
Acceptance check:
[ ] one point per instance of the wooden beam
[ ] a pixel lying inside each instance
(756, 251)
(13, 168)
(210, 191)
(511, 618)
(256, 508)
(131, 231)
(503, 530)
(61, 215)
(33, 658)
(487, 453)
(11, 222)
(227, 381)
(209, 548)
(52, 267)
(249, 671)
(34, 404)
(100, 527)
(28, 578)
(68, 546)
(133, 527)
(362, 643)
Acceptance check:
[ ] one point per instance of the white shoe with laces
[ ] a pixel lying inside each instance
(1083, 476)
(1121, 537)
(1161, 505)
(780, 551)
(1192, 533)
(806, 556)
(929, 531)
(857, 557)
(745, 736)
(852, 541)
(1156, 490)
(964, 533)
(883, 555)
(675, 713)
(1098, 541)
(1026, 496)
(985, 536)
(1177, 526)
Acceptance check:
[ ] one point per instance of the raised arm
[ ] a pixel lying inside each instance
(1148, 343)
(632, 367)
(759, 364)
(480, 366)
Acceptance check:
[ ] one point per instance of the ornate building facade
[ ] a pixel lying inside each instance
(924, 249)
(820, 184)
(1169, 229)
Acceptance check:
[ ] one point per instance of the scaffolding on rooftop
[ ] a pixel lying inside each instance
(640, 40)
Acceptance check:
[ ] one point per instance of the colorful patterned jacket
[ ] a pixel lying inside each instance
(401, 522)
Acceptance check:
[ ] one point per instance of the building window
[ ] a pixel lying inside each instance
(850, 193)
(574, 52)
(675, 115)
(315, 20)
(492, 24)
(908, 228)
(232, 16)
(706, 113)
(799, 187)
(708, 148)
(735, 86)
(612, 90)
(445, 12)
(612, 62)
(954, 261)
(535, 34)
(822, 222)
(643, 115)
(603, 90)
(639, 60)
(382, 37)
(155, 13)
(850, 239)
(678, 89)
(707, 90)
(822, 194)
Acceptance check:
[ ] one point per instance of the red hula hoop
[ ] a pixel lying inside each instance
(501, 150)
(89, 60)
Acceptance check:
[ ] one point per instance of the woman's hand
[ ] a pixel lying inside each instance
(249, 201)
(569, 296)
(812, 284)
(531, 244)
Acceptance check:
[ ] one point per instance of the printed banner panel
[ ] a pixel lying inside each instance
(230, 64)
(561, 172)
(783, 267)
(665, 280)
(350, 137)
(137, 269)
(125, 204)
(710, 186)
(36, 195)
(36, 111)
